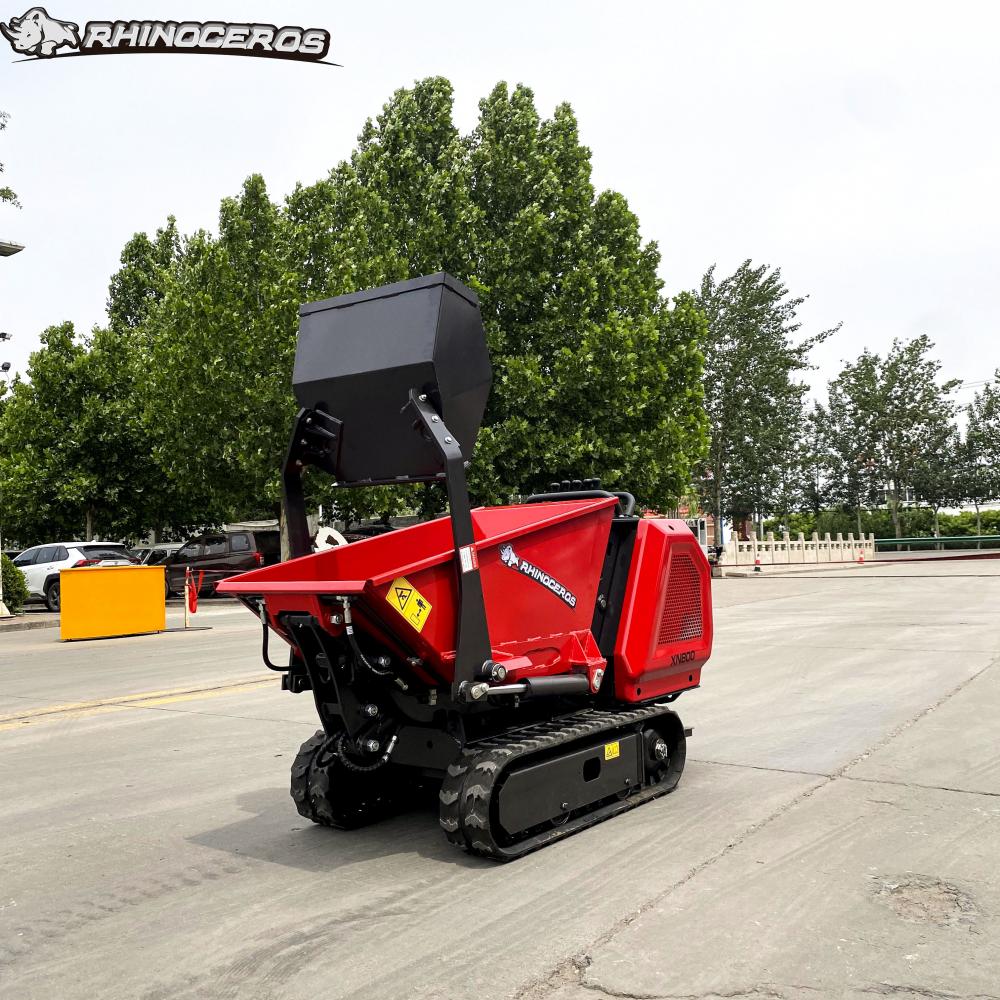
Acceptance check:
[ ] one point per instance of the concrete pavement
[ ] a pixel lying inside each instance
(836, 833)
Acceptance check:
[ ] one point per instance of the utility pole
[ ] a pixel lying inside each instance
(6, 250)
(4, 610)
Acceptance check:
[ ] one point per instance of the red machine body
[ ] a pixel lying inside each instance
(541, 566)
(665, 632)
(523, 658)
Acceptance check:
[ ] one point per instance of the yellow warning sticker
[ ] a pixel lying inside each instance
(611, 750)
(409, 602)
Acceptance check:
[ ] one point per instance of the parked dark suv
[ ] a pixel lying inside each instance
(220, 554)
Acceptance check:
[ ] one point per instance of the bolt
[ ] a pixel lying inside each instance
(660, 750)
(382, 661)
(434, 420)
(336, 619)
(564, 806)
(370, 710)
(596, 681)
(422, 397)
(448, 440)
(372, 746)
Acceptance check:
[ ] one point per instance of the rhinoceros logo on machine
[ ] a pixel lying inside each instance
(34, 33)
(510, 558)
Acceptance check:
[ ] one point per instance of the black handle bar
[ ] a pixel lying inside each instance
(626, 502)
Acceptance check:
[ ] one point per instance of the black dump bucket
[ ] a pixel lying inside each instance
(359, 355)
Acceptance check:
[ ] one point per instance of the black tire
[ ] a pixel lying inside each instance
(326, 792)
(52, 595)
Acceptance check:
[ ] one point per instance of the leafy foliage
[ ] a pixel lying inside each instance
(73, 452)
(893, 425)
(753, 400)
(15, 588)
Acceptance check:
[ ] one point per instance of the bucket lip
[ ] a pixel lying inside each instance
(256, 581)
(389, 291)
(578, 509)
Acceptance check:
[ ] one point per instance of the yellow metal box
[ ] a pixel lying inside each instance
(97, 602)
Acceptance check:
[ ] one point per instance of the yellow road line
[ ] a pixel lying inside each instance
(146, 699)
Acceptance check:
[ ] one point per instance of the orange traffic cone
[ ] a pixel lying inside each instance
(861, 557)
(756, 564)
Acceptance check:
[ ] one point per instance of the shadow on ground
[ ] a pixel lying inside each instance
(274, 832)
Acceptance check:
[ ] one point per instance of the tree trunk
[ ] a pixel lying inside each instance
(717, 512)
(979, 524)
(89, 528)
(858, 511)
(937, 530)
(894, 511)
(283, 532)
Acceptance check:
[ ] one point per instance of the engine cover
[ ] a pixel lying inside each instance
(665, 630)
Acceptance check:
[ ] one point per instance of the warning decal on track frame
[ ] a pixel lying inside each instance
(611, 750)
(409, 602)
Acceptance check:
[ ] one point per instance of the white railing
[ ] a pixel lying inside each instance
(771, 551)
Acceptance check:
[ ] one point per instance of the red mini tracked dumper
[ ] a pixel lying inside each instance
(523, 656)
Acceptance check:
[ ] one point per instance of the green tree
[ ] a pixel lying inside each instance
(73, 456)
(849, 454)
(753, 400)
(893, 416)
(937, 473)
(596, 374)
(140, 282)
(7, 196)
(980, 454)
(216, 344)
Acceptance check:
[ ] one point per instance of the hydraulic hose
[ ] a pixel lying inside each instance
(352, 765)
(263, 651)
(356, 649)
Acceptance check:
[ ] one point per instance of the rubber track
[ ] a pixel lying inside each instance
(300, 777)
(469, 784)
(330, 795)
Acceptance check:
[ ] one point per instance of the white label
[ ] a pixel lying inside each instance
(467, 555)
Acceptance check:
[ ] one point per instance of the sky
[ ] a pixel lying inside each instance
(855, 146)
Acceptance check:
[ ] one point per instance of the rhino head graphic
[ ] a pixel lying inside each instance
(34, 33)
(508, 556)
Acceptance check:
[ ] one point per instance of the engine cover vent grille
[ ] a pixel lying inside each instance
(682, 618)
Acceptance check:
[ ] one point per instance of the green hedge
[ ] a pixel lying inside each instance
(914, 521)
(15, 590)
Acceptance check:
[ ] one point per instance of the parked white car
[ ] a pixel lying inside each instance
(41, 564)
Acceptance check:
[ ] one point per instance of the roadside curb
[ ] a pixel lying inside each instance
(24, 625)
(748, 573)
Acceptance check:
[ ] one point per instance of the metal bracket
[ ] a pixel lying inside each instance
(315, 441)
(472, 643)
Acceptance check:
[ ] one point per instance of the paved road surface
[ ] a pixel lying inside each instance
(836, 834)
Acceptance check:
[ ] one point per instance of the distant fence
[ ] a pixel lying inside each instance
(773, 551)
(924, 542)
